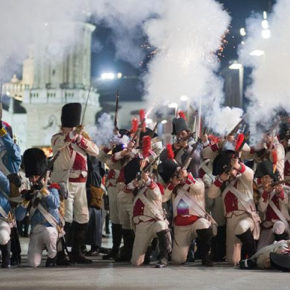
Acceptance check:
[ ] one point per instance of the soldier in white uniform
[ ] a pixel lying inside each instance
(240, 211)
(189, 213)
(71, 167)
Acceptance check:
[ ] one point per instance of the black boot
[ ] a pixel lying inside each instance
(248, 242)
(117, 238)
(79, 236)
(165, 247)
(283, 236)
(218, 245)
(126, 251)
(15, 247)
(107, 222)
(247, 264)
(68, 228)
(61, 258)
(50, 262)
(147, 257)
(204, 237)
(5, 249)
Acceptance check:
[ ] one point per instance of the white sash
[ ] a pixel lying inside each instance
(3, 212)
(157, 212)
(277, 211)
(253, 214)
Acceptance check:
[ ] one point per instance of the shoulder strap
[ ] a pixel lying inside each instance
(3, 212)
(49, 217)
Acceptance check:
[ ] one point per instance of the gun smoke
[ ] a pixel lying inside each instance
(270, 88)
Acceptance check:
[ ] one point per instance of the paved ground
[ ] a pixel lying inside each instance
(105, 275)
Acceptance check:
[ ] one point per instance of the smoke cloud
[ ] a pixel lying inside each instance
(185, 33)
(28, 22)
(103, 132)
(270, 88)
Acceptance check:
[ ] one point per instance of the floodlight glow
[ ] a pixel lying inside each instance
(119, 75)
(8, 93)
(266, 33)
(265, 24)
(235, 65)
(257, 52)
(265, 14)
(107, 76)
(183, 98)
(164, 122)
(243, 31)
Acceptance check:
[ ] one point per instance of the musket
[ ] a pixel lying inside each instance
(86, 105)
(275, 183)
(236, 128)
(190, 156)
(116, 112)
(154, 129)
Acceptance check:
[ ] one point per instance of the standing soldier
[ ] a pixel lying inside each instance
(71, 167)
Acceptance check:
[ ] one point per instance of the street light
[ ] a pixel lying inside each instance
(243, 31)
(107, 76)
(257, 52)
(235, 65)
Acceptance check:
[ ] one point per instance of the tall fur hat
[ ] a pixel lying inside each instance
(178, 125)
(222, 162)
(34, 161)
(266, 168)
(71, 115)
(131, 169)
(167, 169)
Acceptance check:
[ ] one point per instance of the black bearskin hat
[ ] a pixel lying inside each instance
(71, 115)
(35, 162)
(222, 162)
(266, 168)
(131, 169)
(178, 125)
(167, 169)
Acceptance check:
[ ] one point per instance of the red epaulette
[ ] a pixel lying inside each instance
(54, 185)
(160, 187)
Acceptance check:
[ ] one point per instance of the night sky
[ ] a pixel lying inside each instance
(103, 51)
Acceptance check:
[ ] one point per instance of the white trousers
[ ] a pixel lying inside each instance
(5, 231)
(144, 234)
(183, 237)
(76, 205)
(113, 204)
(42, 238)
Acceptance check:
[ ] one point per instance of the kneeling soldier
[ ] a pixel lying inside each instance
(43, 203)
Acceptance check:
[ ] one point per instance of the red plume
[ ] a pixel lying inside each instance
(146, 146)
(142, 119)
(141, 115)
(170, 153)
(134, 125)
(213, 139)
(182, 115)
(240, 142)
